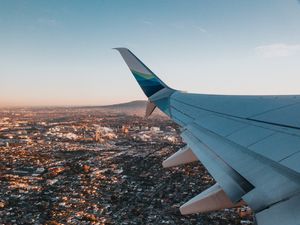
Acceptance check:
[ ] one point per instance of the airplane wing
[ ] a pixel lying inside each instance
(249, 144)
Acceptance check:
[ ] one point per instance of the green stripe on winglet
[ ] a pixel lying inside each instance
(143, 75)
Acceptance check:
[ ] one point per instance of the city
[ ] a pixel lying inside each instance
(97, 165)
(149, 112)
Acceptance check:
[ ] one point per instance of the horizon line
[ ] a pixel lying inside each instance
(66, 105)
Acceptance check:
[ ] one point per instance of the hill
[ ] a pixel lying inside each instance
(128, 105)
(135, 107)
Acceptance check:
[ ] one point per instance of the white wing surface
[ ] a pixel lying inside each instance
(249, 144)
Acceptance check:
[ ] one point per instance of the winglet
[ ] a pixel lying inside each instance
(148, 81)
(155, 89)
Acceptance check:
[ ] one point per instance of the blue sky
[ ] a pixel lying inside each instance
(59, 52)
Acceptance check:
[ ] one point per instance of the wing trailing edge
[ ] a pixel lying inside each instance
(285, 212)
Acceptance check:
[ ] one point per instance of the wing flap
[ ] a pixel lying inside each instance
(253, 167)
(292, 162)
(277, 147)
(234, 185)
(285, 212)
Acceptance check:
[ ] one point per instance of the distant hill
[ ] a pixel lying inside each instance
(135, 107)
(128, 105)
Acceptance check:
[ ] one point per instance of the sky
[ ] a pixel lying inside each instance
(59, 52)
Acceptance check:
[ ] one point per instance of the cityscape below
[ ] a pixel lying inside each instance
(149, 112)
(97, 165)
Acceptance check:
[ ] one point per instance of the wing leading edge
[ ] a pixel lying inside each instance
(249, 144)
